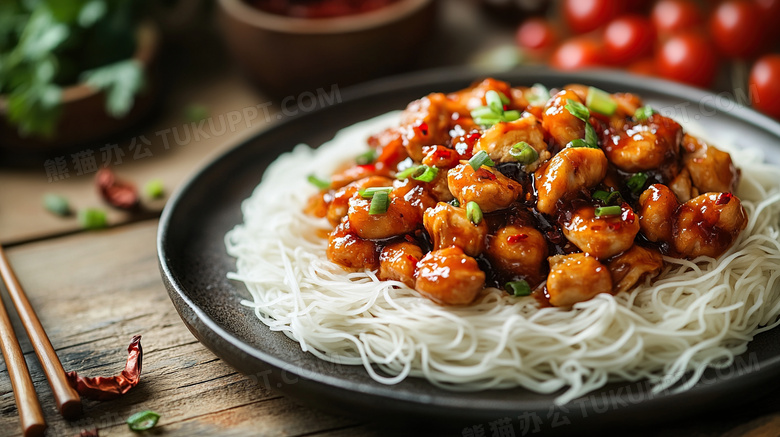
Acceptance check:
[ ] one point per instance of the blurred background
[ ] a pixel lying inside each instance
(151, 90)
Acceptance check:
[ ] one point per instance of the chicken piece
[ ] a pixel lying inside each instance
(339, 204)
(570, 170)
(439, 188)
(448, 226)
(499, 139)
(657, 206)
(710, 169)
(601, 236)
(474, 96)
(518, 251)
(356, 173)
(559, 122)
(440, 157)
(449, 277)
(708, 225)
(682, 187)
(398, 262)
(349, 250)
(486, 186)
(645, 146)
(408, 201)
(634, 265)
(576, 278)
(426, 122)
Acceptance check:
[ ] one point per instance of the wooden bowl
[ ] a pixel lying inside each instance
(286, 55)
(83, 118)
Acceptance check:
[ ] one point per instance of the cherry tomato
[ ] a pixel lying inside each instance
(675, 15)
(764, 77)
(575, 53)
(586, 15)
(535, 34)
(736, 28)
(628, 38)
(644, 67)
(687, 57)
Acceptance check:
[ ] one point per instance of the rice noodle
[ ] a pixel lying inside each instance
(697, 314)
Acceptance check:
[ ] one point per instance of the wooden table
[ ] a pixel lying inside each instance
(94, 290)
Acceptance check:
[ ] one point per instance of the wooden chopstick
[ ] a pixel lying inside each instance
(68, 400)
(30, 413)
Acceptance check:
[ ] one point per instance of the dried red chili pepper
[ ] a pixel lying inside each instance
(119, 194)
(105, 388)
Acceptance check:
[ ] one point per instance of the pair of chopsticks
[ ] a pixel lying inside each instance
(30, 413)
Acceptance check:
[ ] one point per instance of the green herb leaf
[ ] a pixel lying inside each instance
(607, 211)
(590, 136)
(577, 109)
(121, 81)
(579, 142)
(600, 101)
(636, 182)
(379, 203)
(317, 182)
(366, 158)
(368, 193)
(93, 218)
(600, 195)
(642, 114)
(524, 153)
(56, 204)
(474, 212)
(143, 421)
(154, 189)
(480, 159)
(518, 288)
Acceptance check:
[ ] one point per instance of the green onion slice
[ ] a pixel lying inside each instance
(408, 172)
(154, 189)
(537, 95)
(143, 421)
(366, 158)
(379, 203)
(511, 115)
(600, 195)
(600, 101)
(524, 153)
(56, 204)
(93, 218)
(577, 109)
(614, 198)
(636, 182)
(317, 182)
(518, 288)
(641, 114)
(474, 212)
(480, 159)
(608, 211)
(368, 193)
(455, 203)
(487, 121)
(427, 175)
(483, 111)
(494, 102)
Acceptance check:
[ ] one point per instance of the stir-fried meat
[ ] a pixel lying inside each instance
(449, 276)
(576, 278)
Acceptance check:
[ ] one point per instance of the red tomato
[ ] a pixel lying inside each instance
(736, 28)
(687, 57)
(535, 34)
(675, 15)
(586, 15)
(644, 67)
(628, 38)
(579, 52)
(764, 79)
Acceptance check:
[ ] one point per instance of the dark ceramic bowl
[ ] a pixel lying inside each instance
(194, 265)
(287, 55)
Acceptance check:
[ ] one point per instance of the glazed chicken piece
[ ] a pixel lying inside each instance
(682, 187)
(474, 96)
(448, 226)
(425, 122)
(339, 203)
(349, 250)
(559, 122)
(487, 187)
(499, 139)
(576, 278)
(634, 265)
(710, 169)
(518, 250)
(601, 236)
(449, 277)
(408, 201)
(657, 207)
(398, 262)
(646, 145)
(570, 170)
(708, 225)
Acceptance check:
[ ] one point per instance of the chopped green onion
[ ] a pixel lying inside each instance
(317, 182)
(366, 158)
(504, 99)
(428, 174)
(590, 136)
(600, 101)
(614, 198)
(636, 182)
(600, 195)
(379, 203)
(92, 218)
(56, 204)
(143, 421)
(577, 109)
(524, 153)
(455, 203)
(480, 159)
(494, 102)
(579, 142)
(154, 189)
(538, 95)
(474, 212)
(511, 115)
(483, 111)
(487, 121)
(368, 193)
(608, 210)
(641, 114)
(408, 172)
(518, 288)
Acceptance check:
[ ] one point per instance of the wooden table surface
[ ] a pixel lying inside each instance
(93, 290)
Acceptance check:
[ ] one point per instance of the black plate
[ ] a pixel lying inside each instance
(194, 263)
